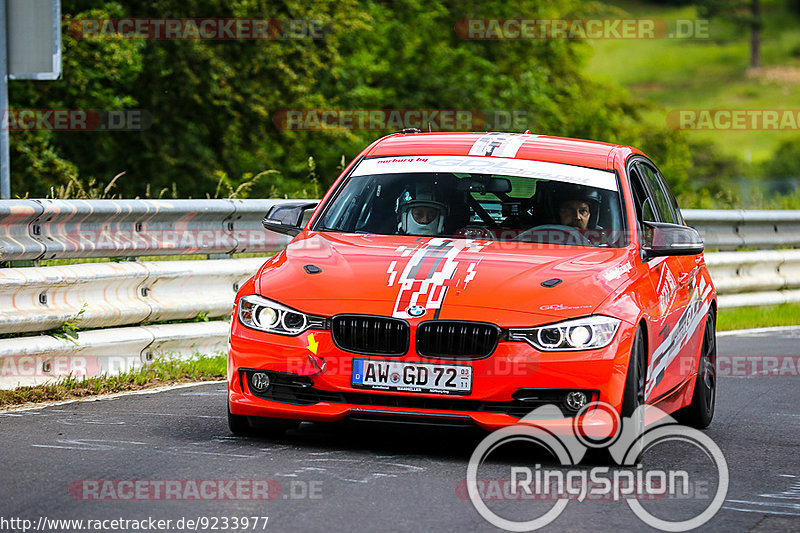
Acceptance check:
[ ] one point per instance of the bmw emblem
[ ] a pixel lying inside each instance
(416, 311)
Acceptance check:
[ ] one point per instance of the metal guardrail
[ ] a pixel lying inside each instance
(29, 361)
(736, 229)
(66, 229)
(117, 294)
(764, 277)
(120, 296)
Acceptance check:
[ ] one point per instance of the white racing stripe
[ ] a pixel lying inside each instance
(524, 168)
(499, 144)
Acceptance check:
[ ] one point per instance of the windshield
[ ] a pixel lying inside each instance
(479, 198)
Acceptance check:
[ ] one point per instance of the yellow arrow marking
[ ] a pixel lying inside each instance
(312, 344)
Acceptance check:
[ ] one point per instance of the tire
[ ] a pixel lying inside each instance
(239, 424)
(272, 427)
(254, 426)
(633, 395)
(700, 412)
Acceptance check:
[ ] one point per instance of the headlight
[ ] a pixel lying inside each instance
(588, 333)
(259, 313)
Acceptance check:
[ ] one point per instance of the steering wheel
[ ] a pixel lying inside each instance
(576, 236)
(474, 231)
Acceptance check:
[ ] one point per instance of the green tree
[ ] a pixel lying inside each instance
(744, 13)
(213, 102)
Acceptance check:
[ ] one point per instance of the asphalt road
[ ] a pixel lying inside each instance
(72, 461)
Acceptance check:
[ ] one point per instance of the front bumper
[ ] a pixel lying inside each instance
(508, 385)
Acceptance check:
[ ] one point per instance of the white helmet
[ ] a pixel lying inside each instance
(420, 213)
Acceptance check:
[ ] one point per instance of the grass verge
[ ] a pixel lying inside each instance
(158, 373)
(758, 317)
(709, 72)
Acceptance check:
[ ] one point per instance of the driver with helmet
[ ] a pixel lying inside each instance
(577, 206)
(419, 212)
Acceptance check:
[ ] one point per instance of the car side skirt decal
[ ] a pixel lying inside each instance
(679, 336)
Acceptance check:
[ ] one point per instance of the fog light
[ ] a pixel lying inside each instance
(576, 400)
(260, 381)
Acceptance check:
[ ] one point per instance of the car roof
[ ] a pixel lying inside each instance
(585, 153)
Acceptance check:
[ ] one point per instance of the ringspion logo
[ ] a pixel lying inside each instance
(598, 425)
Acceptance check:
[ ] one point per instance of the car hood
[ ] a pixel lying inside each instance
(459, 279)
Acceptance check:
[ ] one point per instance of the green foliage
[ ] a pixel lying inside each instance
(240, 189)
(213, 102)
(69, 329)
(786, 161)
(745, 14)
(92, 190)
(758, 317)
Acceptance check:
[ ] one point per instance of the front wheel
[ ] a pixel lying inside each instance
(700, 412)
(243, 426)
(633, 396)
(238, 424)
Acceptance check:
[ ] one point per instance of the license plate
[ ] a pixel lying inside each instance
(411, 377)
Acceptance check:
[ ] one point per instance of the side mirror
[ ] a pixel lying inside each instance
(288, 218)
(660, 239)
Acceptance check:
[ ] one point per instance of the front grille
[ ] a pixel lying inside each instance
(449, 339)
(370, 334)
(298, 390)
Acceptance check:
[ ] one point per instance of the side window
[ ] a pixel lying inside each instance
(645, 211)
(671, 199)
(662, 206)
